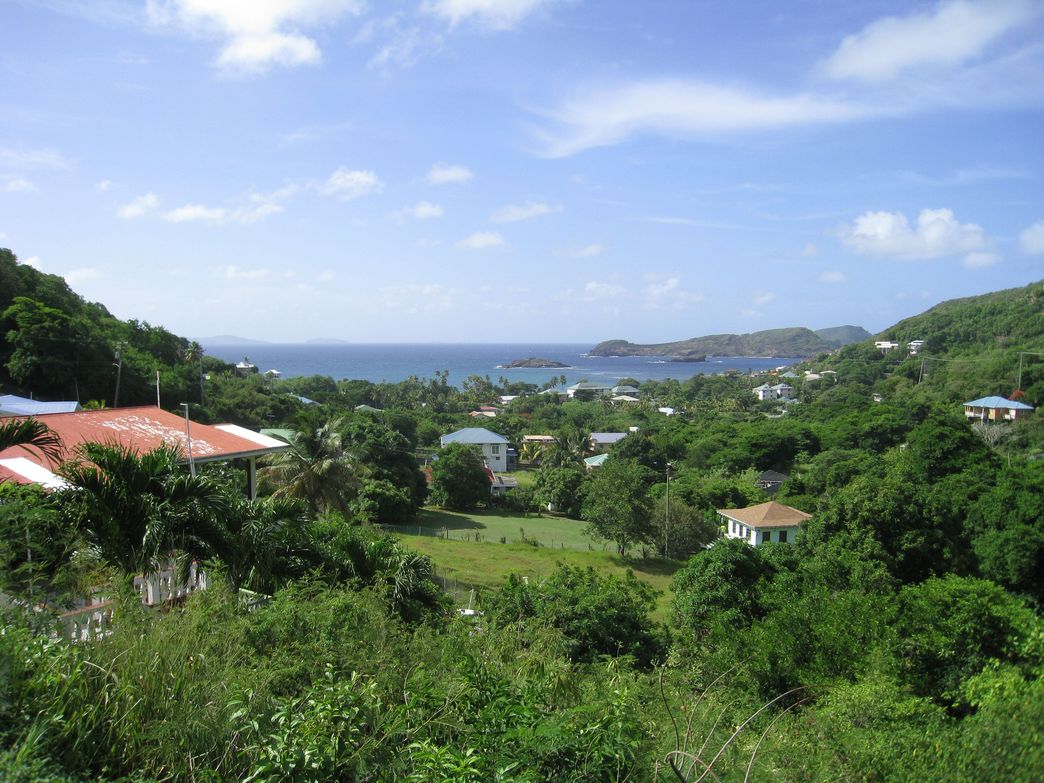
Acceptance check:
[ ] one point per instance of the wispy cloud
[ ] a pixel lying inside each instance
(669, 294)
(481, 240)
(140, 206)
(314, 132)
(422, 210)
(349, 184)
(417, 298)
(104, 186)
(17, 185)
(192, 213)
(233, 272)
(76, 276)
(952, 33)
(679, 108)
(588, 251)
(596, 291)
(493, 14)
(764, 297)
(832, 278)
(445, 173)
(513, 213)
(937, 234)
(1031, 240)
(257, 35)
(32, 158)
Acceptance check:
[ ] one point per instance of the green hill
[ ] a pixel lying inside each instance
(843, 335)
(973, 347)
(788, 342)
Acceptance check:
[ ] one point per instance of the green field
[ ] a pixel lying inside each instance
(551, 531)
(463, 565)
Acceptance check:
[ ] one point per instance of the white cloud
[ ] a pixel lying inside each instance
(233, 272)
(196, 212)
(810, 250)
(257, 34)
(398, 44)
(26, 158)
(595, 291)
(832, 278)
(423, 210)
(33, 261)
(764, 297)
(588, 251)
(348, 184)
(138, 207)
(513, 213)
(494, 14)
(18, 185)
(669, 293)
(444, 173)
(104, 185)
(1031, 240)
(76, 276)
(938, 234)
(681, 109)
(952, 33)
(980, 259)
(481, 240)
(326, 276)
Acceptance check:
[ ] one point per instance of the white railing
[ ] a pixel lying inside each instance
(163, 586)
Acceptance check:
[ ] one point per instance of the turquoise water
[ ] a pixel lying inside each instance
(397, 361)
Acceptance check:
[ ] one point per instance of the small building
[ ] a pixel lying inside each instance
(884, 346)
(915, 346)
(764, 392)
(878, 397)
(771, 480)
(763, 523)
(588, 390)
(13, 405)
(996, 409)
(596, 461)
(494, 447)
(666, 410)
(602, 441)
(625, 398)
(140, 429)
(630, 391)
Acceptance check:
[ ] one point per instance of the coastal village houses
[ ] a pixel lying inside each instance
(995, 408)
(763, 523)
(495, 448)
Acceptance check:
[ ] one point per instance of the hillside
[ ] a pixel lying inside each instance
(788, 342)
(973, 347)
(838, 336)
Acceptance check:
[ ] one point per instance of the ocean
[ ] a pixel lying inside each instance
(394, 362)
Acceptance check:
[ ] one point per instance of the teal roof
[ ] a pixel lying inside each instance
(473, 435)
(999, 402)
(596, 461)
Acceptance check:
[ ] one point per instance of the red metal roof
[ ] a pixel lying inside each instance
(144, 429)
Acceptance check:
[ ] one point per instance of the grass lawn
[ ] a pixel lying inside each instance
(551, 531)
(463, 565)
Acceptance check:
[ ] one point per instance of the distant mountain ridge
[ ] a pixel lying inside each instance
(787, 342)
(229, 339)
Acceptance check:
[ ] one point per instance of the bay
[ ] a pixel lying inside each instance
(393, 362)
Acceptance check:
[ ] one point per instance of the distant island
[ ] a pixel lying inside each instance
(702, 357)
(534, 363)
(789, 342)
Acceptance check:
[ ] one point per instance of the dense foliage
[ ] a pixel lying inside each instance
(899, 638)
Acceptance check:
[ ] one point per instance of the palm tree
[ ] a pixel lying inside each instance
(194, 353)
(138, 509)
(316, 468)
(31, 434)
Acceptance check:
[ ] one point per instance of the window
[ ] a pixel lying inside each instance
(782, 536)
(494, 449)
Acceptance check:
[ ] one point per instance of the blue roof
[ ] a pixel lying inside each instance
(474, 435)
(595, 461)
(13, 405)
(999, 402)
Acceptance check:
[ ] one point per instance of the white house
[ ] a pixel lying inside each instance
(915, 346)
(884, 346)
(996, 409)
(763, 523)
(494, 447)
(764, 392)
(588, 389)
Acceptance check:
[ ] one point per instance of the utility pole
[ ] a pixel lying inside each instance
(158, 390)
(188, 438)
(119, 372)
(667, 516)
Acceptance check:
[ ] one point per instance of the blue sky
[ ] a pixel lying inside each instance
(522, 170)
